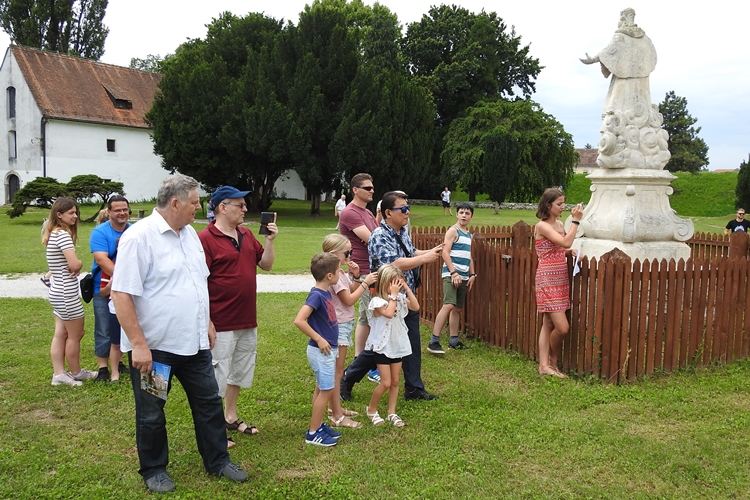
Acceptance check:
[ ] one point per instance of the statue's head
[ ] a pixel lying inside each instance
(627, 17)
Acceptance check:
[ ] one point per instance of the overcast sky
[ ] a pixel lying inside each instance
(703, 54)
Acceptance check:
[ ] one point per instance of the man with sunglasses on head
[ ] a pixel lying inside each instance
(103, 244)
(390, 243)
(738, 224)
(232, 255)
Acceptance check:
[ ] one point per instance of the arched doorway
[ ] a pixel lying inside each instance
(14, 184)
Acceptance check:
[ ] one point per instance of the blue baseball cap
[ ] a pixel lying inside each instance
(227, 192)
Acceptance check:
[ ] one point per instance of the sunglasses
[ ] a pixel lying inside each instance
(403, 209)
(347, 254)
(366, 188)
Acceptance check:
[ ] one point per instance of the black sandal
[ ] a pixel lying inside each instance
(235, 426)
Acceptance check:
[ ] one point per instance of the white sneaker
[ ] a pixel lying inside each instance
(84, 375)
(65, 378)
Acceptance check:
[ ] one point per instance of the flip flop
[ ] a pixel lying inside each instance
(250, 430)
(46, 281)
(230, 442)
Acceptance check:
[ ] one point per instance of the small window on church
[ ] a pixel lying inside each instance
(110, 145)
(11, 102)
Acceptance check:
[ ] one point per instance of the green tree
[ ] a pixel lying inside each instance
(41, 191)
(202, 117)
(72, 27)
(461, 58)
(151, 63)
(327, 42)
(689, 152)
(546, 155)
(500, 164)
(90, 187)
(743, 186)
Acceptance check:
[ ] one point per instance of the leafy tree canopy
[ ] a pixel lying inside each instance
(72, 27)
(42, 191)
(743, 186)
(151, 63)
(689, 152)
(545, 152)
(461, 58)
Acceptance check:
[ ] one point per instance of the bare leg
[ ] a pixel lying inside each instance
(360, 338)
(231, 395)
(395, 369)
(73, 344)
(442, 318)
(377, 394)
(543, 352)
(57, 349)
(455, 319)
(335, 403)
(320, 403)
(559, 331)
(115, 356)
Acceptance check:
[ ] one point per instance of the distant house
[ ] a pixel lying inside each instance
(587, 161)
(66, 116)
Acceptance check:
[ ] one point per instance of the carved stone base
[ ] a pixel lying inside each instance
(639, 250)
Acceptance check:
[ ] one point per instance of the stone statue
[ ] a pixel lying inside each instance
(631, 126)
(629, 207)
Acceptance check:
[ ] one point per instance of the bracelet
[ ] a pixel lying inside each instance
(472, 275)
(391, 297)
(454, 272)
(363, 284)
(577, 223)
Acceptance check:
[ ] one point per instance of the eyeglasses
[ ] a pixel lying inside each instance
(241, 205)
(366, 188)
(403, 209)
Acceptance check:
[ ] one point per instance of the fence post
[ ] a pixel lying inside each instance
(521, 235)
(738, 245)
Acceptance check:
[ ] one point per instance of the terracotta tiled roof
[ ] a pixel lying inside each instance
(588, 157)
(74, 88)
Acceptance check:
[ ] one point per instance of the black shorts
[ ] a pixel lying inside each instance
(446, 204)
(382, 359)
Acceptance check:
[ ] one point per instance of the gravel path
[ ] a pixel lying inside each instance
(28, 285)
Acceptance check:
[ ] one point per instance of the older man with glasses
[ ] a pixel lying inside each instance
(738, 224)
(232, 255)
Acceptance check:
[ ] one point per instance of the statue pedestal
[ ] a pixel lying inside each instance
(630, 210)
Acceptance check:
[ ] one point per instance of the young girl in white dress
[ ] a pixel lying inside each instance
(388, 339)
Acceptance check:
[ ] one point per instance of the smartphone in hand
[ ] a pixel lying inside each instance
(265, 219)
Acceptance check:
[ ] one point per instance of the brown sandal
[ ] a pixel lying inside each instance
(250, 430)
(345, 421)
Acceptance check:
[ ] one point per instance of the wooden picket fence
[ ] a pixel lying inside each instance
(628, 319)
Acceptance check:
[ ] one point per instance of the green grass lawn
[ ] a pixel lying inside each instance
(497, 431)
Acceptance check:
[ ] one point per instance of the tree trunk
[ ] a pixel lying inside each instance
(315, 204)
(472, 194)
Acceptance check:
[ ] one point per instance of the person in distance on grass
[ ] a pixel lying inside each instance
(103, 244)
(344, 294)
(232, 256)
(339, 207)
(551, 284)
(60, 235)
(389, 339)
(738, 223)
(317, 320)
(160, 293)
(458, 278)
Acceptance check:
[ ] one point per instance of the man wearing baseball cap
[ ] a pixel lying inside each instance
(232, 254)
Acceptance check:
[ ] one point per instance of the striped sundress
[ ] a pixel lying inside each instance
(551, 282)
(64, 289)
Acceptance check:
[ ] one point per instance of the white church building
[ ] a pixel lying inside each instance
(67, 116)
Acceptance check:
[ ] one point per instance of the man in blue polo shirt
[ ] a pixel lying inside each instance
(103, 245)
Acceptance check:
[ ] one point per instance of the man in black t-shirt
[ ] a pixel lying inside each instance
(738, 224)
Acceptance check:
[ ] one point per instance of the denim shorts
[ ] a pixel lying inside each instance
(345, 333)
(324, 367)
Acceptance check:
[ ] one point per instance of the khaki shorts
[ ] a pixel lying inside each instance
(364, 302)
(453, 295)
(234, 356)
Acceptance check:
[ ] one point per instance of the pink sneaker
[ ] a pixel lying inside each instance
(65, 378)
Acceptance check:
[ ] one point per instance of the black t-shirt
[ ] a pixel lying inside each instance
(733, 226)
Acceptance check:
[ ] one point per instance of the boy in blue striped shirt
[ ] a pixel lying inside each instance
(458, 278)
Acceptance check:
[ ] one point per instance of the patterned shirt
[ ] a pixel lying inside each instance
(385, 249)
(460, 255)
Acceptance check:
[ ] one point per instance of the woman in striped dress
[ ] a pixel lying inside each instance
(551, 282)
(60, 235)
